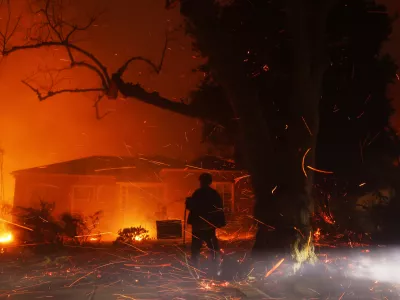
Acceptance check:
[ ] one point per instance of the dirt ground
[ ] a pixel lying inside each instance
(160, 271)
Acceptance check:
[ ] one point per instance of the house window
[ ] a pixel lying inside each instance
(83, 193)
(44, 193)
(140, 202)
(143, 192)
(225, 189)
(153, 193)
(82, 197)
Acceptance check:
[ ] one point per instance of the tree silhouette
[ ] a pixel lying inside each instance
(356, 143)
(356, 139)
(280, 46)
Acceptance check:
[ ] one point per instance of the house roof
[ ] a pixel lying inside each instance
(104, 165)
(210, 162)
(138, 168)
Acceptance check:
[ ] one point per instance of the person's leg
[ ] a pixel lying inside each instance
(212, 244)
(197, 242)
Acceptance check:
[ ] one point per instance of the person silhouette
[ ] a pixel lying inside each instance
(206, 214)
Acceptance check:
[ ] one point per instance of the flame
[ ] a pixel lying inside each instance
(317, 234)
(138, 238)
(6, 238)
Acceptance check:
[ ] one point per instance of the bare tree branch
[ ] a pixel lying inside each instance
(54, 31)
(51, 93)
(100, 69)
(154, 98)
(55, 25)
(137, 91)
(156, 68)
(96, 106)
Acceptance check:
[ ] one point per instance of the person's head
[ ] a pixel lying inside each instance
(205, 179)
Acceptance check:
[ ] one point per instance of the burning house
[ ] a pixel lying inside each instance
(130, 191)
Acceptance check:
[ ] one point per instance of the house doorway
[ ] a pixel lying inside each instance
(140, 203)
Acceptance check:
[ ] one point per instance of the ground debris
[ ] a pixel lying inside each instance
(160, 271)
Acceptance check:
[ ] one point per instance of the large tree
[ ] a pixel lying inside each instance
(285, 41)
(272, 64)
(356, 139)
(356, 143)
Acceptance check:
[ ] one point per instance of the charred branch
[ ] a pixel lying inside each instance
(100, 70)
(100, 116)
(154, 98)
(43, 96)
(156, 68)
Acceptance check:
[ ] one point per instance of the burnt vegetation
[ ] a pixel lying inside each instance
(46, 232)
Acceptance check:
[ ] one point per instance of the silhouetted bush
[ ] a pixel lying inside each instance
(47, 233)
(80, 229)
(132, 235)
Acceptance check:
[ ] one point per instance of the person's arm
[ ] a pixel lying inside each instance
(190, 201)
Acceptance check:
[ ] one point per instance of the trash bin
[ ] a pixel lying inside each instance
(169, 229)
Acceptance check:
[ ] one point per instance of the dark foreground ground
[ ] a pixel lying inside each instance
(159, 271)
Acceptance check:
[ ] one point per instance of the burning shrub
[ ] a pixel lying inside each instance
(44, 227)
(47, 230)
(81, 229)
(132, 235)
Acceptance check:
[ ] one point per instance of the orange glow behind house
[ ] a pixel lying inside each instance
(6, 237)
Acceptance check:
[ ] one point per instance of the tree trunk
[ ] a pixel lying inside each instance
(280, 214)
(283, 215)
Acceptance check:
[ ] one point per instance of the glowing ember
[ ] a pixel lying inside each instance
(138, 238)
(328, 218)
(6, 237)
(274, 268)
(317, 234)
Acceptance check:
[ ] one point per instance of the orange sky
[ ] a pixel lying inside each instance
(64, 127)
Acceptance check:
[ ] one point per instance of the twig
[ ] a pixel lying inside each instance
(52, 93)
(156, 68)
(96, 106)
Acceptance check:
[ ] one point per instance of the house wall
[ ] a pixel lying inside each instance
(141, 205)
(30, 189)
